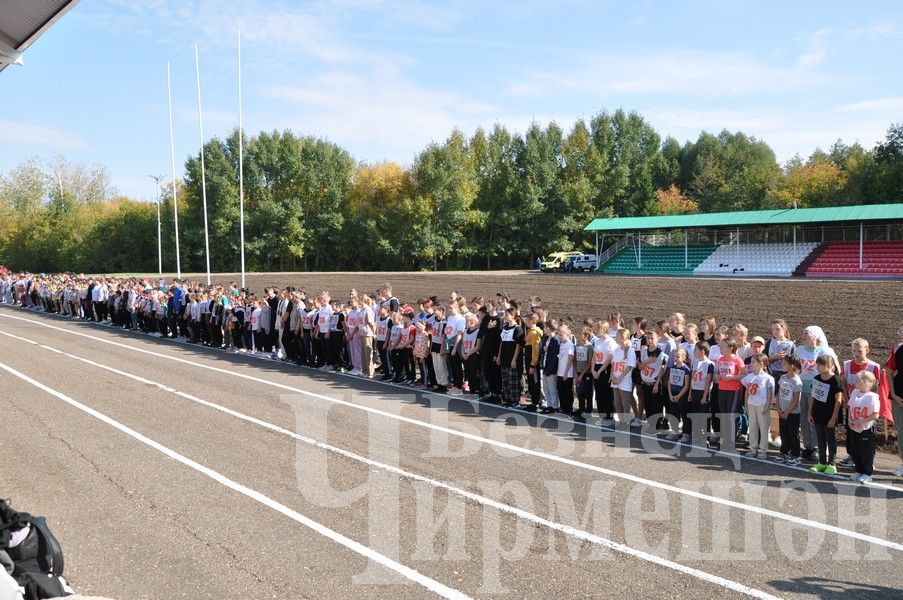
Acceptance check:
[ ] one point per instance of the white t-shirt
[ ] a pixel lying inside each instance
(757, 388)
(623, 361)
(701, 371)
(255, 320)
(565, 351)
(323, 316)
(603, 348)
(454, 324)
(860, 405)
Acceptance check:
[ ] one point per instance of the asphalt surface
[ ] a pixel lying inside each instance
(175, 471)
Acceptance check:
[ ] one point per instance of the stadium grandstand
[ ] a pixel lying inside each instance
(841, 241)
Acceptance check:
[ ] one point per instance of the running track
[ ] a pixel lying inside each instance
(176, 471)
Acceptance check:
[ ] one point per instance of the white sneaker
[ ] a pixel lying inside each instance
(763, 455)
(356, 372)
(611, 422)
(635, 422)
(453, 391)
(899, 471)
(855, 476)
(865, 479)
(685, 438)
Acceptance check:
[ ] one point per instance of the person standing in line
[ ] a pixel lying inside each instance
(454, 328)
(437, 350)
(702, 376)
(532, 341)
(824, 408)
(353, 322)
(470, 352)
(490, 339)
(851, 368)
(730, 370)
(549, 362)
(814, 345)
(864, 407)
(622, 365)
(650, 366)
(603, 351)
(789, 390)
(321, 331)
(512, 340)
(893, 368)
(367, 331)
(759, 396)
(583, 379)
(565, 374)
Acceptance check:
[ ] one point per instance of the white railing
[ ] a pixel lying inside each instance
(604, 257)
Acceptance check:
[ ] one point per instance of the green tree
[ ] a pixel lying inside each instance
(445, 180)
(498, 235)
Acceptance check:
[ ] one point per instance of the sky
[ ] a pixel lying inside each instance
(384, 78)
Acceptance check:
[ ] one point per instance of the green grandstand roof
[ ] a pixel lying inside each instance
(784, 216)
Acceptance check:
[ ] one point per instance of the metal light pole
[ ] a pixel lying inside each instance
(158, 179)
(241, 171)
(197, 64)
(172, 155)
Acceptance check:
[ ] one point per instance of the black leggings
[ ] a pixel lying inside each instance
(604, 395)
(827, 444)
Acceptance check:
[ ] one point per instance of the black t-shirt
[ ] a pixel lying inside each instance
(898, 377)
(824, 396)
(491, 334)
(511, 337)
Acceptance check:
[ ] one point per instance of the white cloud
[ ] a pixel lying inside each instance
(816, 49)
(893, 104)
(787, 132)
(378, 107)
(672, 71)
(32, 135)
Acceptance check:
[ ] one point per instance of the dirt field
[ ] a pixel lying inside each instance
(846, 310)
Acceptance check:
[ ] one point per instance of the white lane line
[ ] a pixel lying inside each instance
(405, 571)
(476, 498)
(504, 445)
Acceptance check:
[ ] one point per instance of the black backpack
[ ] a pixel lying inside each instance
(38, 559)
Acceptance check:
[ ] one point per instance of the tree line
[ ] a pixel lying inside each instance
(496, 199)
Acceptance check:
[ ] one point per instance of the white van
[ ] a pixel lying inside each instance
(583, 262)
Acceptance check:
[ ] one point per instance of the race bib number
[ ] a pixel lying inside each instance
(649, 372)
(820, 391)
(754, 389)
(786, 395)
(599, 358)
(582, 353)
(699, 376)
(619, 367)
(507, 334)
(677, 378)
(726, 369)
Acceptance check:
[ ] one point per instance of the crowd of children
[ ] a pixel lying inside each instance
(685, 381)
